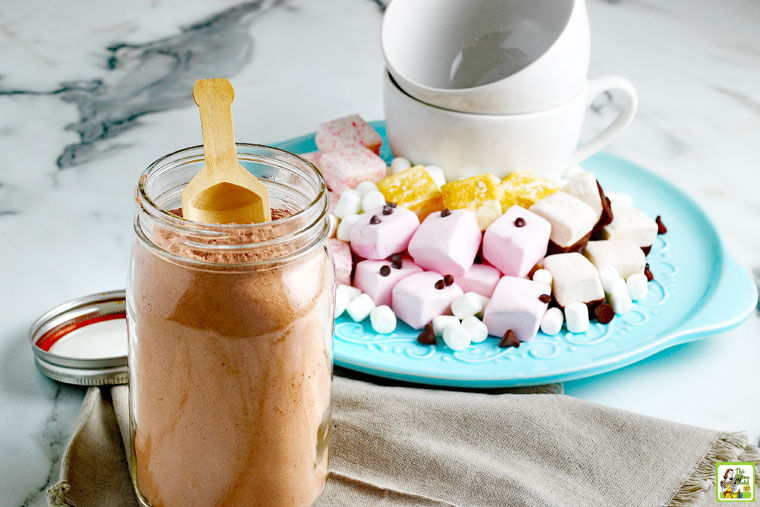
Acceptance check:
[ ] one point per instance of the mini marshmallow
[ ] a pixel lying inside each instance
(576, 280)
(468, 304)
(637, 286)
(417, 300)
(341, 302)
(383, 319)
(446, 244)
(576, 315)
(344, 169)
(516, 241)
(344, 261)
(517, 304)
(607, 273)
(333, 225)
(631, 224)
(366, 187)
(437, 174)
(620, 300)
(377, 235)
(625, 255)
(350, 203)
(571, 219)
(373, 201)
(621, 199)
(343, 232)
(480, 278)
(456, 336)
(346, 132)
(360, 307)
(543, 276)
(584, 187)
(400, 164)
(551, 323)
(441, 321)
(369, 278)
(475, 328)
(349, 290)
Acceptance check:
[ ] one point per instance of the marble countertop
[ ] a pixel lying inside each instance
(91, 92)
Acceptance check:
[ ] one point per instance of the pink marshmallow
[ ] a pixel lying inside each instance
(515, 305)
(334, 198)
(480, 278)
(348, 167)
(369, 278)
(344, 262)
(513, 249)
(389, 236)
(447, 244)
(347, 132)
(312, 156)
(415, 299)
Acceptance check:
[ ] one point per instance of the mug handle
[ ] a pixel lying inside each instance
(594, 88)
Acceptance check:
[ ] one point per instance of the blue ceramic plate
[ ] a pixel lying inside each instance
(698, 291)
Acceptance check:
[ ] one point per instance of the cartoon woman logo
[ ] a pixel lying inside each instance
(728, 483)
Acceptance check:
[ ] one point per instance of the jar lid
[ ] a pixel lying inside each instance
(83, 341)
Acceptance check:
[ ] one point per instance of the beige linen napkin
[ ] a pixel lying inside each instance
(411, 446)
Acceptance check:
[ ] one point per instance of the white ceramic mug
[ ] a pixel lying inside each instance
(465, 144)
(488, 56)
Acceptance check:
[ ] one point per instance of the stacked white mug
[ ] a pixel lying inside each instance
(493, 85)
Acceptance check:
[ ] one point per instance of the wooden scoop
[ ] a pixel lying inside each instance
(223, 191)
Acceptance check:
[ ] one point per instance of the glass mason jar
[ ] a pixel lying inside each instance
(230, 341)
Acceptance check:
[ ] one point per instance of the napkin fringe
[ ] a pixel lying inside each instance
(56, 495)
(727, 447)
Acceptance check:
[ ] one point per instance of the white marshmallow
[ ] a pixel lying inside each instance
(620, 300)
(573, 171)
(583, 186)
(631, 224)
(437, 174)
(477, 330)
(620, 199)
(383, 319)
(637, 286)
(625, 255)
(571, 218)
(373, 200)
(333, 225)
(350, 203)
(343, 232)
(543, 276)
(441, 321)
(561, 182)
(551, 324)
(341, 302)
(365, 187)
(468, 304)
(576, 280)
(360, 307)
(349, 290)
(456, 336)
(400, 164)
(576, 315)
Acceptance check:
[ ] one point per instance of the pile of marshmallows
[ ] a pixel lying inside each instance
(426, 274)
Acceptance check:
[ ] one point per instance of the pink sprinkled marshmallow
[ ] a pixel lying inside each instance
(344, 263)
(347, 132)
(348, 167)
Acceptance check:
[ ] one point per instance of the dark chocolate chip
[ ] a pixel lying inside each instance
(445, 212)
(604, 313)
(544, 298)
(396, 264)
(385, 270)
(391, 204)
(375, 220)
(387, 210)
(440, 284)
(661, 229)
(648, 274)
(448, 280)
(427, 336)
(519, 222)
(395, 257)
(509, 340)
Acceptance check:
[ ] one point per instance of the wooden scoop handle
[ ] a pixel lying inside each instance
(214, 98)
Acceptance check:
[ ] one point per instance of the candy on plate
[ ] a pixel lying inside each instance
(413, 189)
(446, 242)
(347, 132)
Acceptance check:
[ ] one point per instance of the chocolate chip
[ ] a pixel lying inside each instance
(448, 280)
(519, 222)
(509, 340)
(648, 273)
(445, 212)
(427, 336)
(396, 261)
(387, 210)
(391, 204)
(385, 271)
(440, 284)
(375, 220)
(604, 313)
(661, 229)
(544, 298)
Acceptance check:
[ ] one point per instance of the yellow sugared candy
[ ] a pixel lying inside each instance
(523, 189)
(413, 189)
(477, 194)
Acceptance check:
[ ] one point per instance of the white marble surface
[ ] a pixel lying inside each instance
(76, 129)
